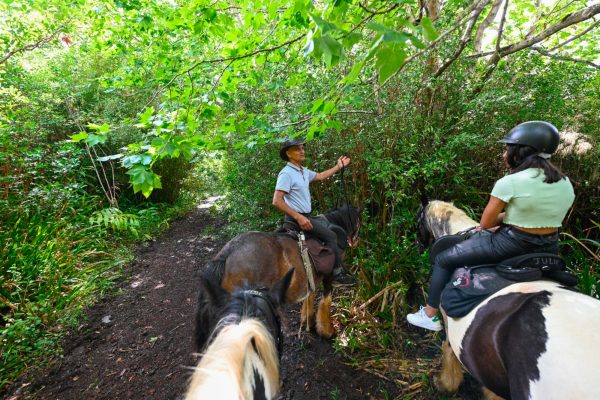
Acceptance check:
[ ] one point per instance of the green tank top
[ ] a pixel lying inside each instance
(531, 203)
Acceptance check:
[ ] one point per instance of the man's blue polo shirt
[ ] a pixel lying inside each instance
(294, 181)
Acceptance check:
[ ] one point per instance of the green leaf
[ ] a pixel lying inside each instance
(93, 139)
(351, 39)
(332, 50)
(351, 77)
(429, 31)
(99, 128)
(323, 25)
(317, 105)
(144, 180)
(416, 42)
(78, 137)
(146, 115)
(374, 47)
(393, 36)
(111, 157)
(389, 61)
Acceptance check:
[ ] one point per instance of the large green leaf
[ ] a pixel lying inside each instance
(389, 60)
(429, 31)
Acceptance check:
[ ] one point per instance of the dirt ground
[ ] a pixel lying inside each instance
(137, 344)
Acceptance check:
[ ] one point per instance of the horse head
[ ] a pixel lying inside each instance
(218, 308)
(424, 237)
(348, 218)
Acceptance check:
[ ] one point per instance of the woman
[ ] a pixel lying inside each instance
(535, 197)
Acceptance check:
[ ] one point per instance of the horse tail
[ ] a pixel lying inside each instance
(240, 355)
(215, 269)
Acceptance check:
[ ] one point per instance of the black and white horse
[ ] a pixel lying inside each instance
(530, 340)
(242, 357)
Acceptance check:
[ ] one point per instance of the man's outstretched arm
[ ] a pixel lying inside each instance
(343, 161)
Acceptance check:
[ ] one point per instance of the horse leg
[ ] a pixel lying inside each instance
(324, 325)
(451, 375)
(307, 315)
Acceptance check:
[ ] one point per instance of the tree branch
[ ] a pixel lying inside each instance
(466, 37)
(501, 28)
(377, 12)
(591, 27)
(32, 46)
(567, 21)
(438, 40)
(565, 58)
(486, 23)
(219, 60)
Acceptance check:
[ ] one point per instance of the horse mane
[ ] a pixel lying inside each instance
(445, 218)
(344, 217)
(238, 354)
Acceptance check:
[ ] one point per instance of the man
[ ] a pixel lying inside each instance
(292, 197)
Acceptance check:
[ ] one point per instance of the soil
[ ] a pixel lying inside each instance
(137, 344)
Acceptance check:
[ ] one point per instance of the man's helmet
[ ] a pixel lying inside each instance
(287, 144)
(541, 135)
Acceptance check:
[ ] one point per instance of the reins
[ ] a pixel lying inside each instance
(347, 202)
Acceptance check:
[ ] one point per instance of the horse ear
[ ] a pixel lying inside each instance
(280, 288)
(215, 294)
(424, 199)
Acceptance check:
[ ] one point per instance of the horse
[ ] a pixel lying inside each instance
(242, 358)
(530, 340)
(261, 258)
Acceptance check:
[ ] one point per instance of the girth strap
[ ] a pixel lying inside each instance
(310, 277)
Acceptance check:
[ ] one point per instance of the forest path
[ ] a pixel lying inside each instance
(137, 344)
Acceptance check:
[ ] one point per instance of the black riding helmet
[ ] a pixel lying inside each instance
(541, 135)
(287, 144)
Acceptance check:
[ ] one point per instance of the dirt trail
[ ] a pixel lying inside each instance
(137, 344)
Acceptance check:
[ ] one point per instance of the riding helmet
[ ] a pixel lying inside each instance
(287, 144)
(541, 135)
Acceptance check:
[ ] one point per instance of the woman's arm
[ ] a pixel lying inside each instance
(492, 215)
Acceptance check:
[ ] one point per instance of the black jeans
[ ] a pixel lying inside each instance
(486, 248)
(319, 231)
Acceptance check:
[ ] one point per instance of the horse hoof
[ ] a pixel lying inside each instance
(325, 331)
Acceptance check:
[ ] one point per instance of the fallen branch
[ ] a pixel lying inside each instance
(379, 294)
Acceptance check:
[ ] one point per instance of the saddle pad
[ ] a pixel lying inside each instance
(469, 287)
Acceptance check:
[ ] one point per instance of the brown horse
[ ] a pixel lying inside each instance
(258, 258)
(530, 340)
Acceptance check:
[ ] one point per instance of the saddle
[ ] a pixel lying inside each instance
(321, 256)
(469, 286)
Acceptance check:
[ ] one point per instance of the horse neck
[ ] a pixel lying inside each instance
(446, 219)
(228, 367)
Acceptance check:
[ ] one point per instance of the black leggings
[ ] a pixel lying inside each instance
(483, 248)
(321, 232)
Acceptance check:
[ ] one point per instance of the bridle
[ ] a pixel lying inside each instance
(271, 314)
(356, 232)
(422, 242)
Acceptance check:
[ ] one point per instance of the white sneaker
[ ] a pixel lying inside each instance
(421, 319)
